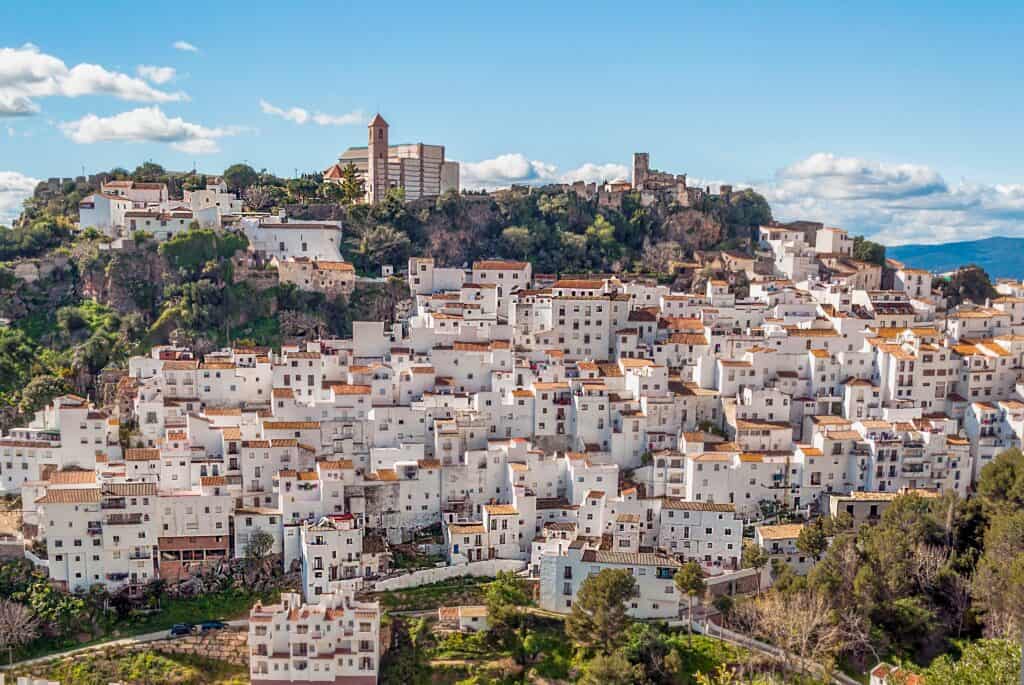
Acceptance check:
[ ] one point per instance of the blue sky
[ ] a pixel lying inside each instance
(898, 121)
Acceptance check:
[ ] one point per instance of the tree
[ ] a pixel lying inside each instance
(969, 283)
(352, 188)
(383, 245)
(238, 177)
(18, 626)
(518, 241)
(507, 623)
(610, 669)
(812, 540)
(689, 580)
(40, 391)
(599, 618)
(258, 197)
(259, 545)
(868, 251)
(756, 558)
(1001, 482)
(800, 624)
(982, 662)
(149, 172)
(999, 579)
(57, 611)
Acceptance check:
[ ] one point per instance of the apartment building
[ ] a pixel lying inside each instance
(328, 638)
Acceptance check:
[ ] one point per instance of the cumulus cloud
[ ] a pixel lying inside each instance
(893, 203)
(147, 124)
(596, 173)
(26, 73)
(301, 116)
(14, 188)
(157, 75)
(184, 46)
(504, 170)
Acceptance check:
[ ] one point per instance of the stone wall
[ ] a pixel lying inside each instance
(228, 644)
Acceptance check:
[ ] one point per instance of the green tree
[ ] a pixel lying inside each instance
(238, 177)
(982, 662)
(999, 578)
(58, 612)
(353, 189)
(599, 616)
(610, 669)
(689, 580)
(259, 545)
(756, 558)
(1001, 482)
(812, 540)
(968, 284)
(517, 241)
(868, 251)
(383, 245)
(39, 392)
(149, 172)
(507, 623)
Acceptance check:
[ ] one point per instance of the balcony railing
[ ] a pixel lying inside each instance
(124, 519)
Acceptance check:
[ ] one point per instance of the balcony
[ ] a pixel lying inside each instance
(141, 556)
(124, 519)
(113, 504)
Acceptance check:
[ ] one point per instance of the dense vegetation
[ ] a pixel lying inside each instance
(146, 667)
(523, 644)
(933, 576)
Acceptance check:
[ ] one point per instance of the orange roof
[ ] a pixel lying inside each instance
(349, 389)
(579, 284)
(499, 265)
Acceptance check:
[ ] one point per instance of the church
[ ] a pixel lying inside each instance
(418, 168)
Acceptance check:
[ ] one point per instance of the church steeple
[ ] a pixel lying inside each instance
(377, 160)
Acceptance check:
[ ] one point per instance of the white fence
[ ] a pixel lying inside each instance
(486, 569)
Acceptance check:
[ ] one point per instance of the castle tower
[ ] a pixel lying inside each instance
(377, 161)
(641, 165)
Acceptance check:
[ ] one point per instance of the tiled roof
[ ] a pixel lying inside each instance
(682, 505)
(70, 496)
(141, 454)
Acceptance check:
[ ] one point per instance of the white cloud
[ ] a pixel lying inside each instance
(157, 75)
(14, 188)
(596, 173)
(893, 203)
(301, 116)
(147, 124)
(514, 167)
(184, 46)
(27, 74)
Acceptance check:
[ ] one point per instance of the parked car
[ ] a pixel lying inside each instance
(179, 629)
(212, 625)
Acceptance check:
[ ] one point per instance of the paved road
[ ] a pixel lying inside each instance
(134, 640)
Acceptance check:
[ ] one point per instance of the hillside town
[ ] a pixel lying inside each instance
(548, 426)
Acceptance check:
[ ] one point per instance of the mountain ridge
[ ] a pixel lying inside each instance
(999, 256)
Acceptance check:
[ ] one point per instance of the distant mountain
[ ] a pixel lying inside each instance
(1000, 257)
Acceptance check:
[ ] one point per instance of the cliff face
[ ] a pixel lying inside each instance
(128, 281)
(50, 283)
